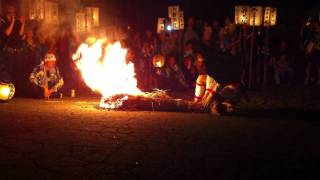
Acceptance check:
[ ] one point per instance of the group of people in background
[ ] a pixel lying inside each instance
(27, 49)
(263, 57)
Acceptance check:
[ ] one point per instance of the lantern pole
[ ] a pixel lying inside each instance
(251, 52)
(269, 20)
(266, 56)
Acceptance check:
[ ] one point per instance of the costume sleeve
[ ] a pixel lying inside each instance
(59, 83)
(35, 76)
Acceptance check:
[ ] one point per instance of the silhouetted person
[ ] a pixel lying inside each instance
(11, 33)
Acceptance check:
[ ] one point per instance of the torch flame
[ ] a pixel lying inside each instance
(107, 73)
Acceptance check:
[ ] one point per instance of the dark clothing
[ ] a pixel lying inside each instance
(38, 92)
(314, 55)
(14, 40)
(223, 67)
(190, 75)
(11, 51)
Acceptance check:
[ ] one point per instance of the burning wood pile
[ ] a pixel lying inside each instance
(106, 71)
(156, 101)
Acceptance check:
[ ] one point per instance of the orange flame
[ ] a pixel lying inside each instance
(109, 75)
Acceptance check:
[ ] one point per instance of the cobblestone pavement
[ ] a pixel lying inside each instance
(72, 139)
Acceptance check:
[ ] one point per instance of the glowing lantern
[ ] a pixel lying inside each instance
(174, 14)
(7, 91)
(36, 9)
(158, 61)
(161, 25)
(91, 17)
(173, 11)
(80, 22)
(256, 13)
(270, 16)
(242, 15)
(51, 12)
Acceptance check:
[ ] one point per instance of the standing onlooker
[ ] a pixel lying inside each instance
(151, 40)
(190, 32)
(215, 31)
(226, 33)
(189, 70)
(281, 64)
(31, 47)
(146, 65)
(165, 43)
(245, 51)
(11, 34)
(65, 49)
(207, 32)
(313, 51)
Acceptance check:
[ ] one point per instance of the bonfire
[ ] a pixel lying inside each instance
(105, 70)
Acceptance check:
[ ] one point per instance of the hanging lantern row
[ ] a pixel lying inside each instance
(175, 20)
(42, 10)
(253, 15)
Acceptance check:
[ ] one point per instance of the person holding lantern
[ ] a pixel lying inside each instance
(45, 78)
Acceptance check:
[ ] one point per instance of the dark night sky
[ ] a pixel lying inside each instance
(145, 12)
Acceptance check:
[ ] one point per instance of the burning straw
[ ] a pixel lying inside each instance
(155, 101)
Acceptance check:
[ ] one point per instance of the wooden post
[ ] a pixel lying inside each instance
(251, 57)
(266, 57)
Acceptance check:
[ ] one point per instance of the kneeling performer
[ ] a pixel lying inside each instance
(45, 78)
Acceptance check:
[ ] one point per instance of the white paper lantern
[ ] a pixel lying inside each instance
(270, 16)
(242, 15)
(173, 11)
(256, 13)
(161, 25)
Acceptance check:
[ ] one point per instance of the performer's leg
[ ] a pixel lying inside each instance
(200, 87)
(210, 93)
(211, 85)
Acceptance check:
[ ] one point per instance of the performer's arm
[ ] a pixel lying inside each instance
(8, 31)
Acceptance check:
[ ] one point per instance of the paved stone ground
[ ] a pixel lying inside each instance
(72, 139)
